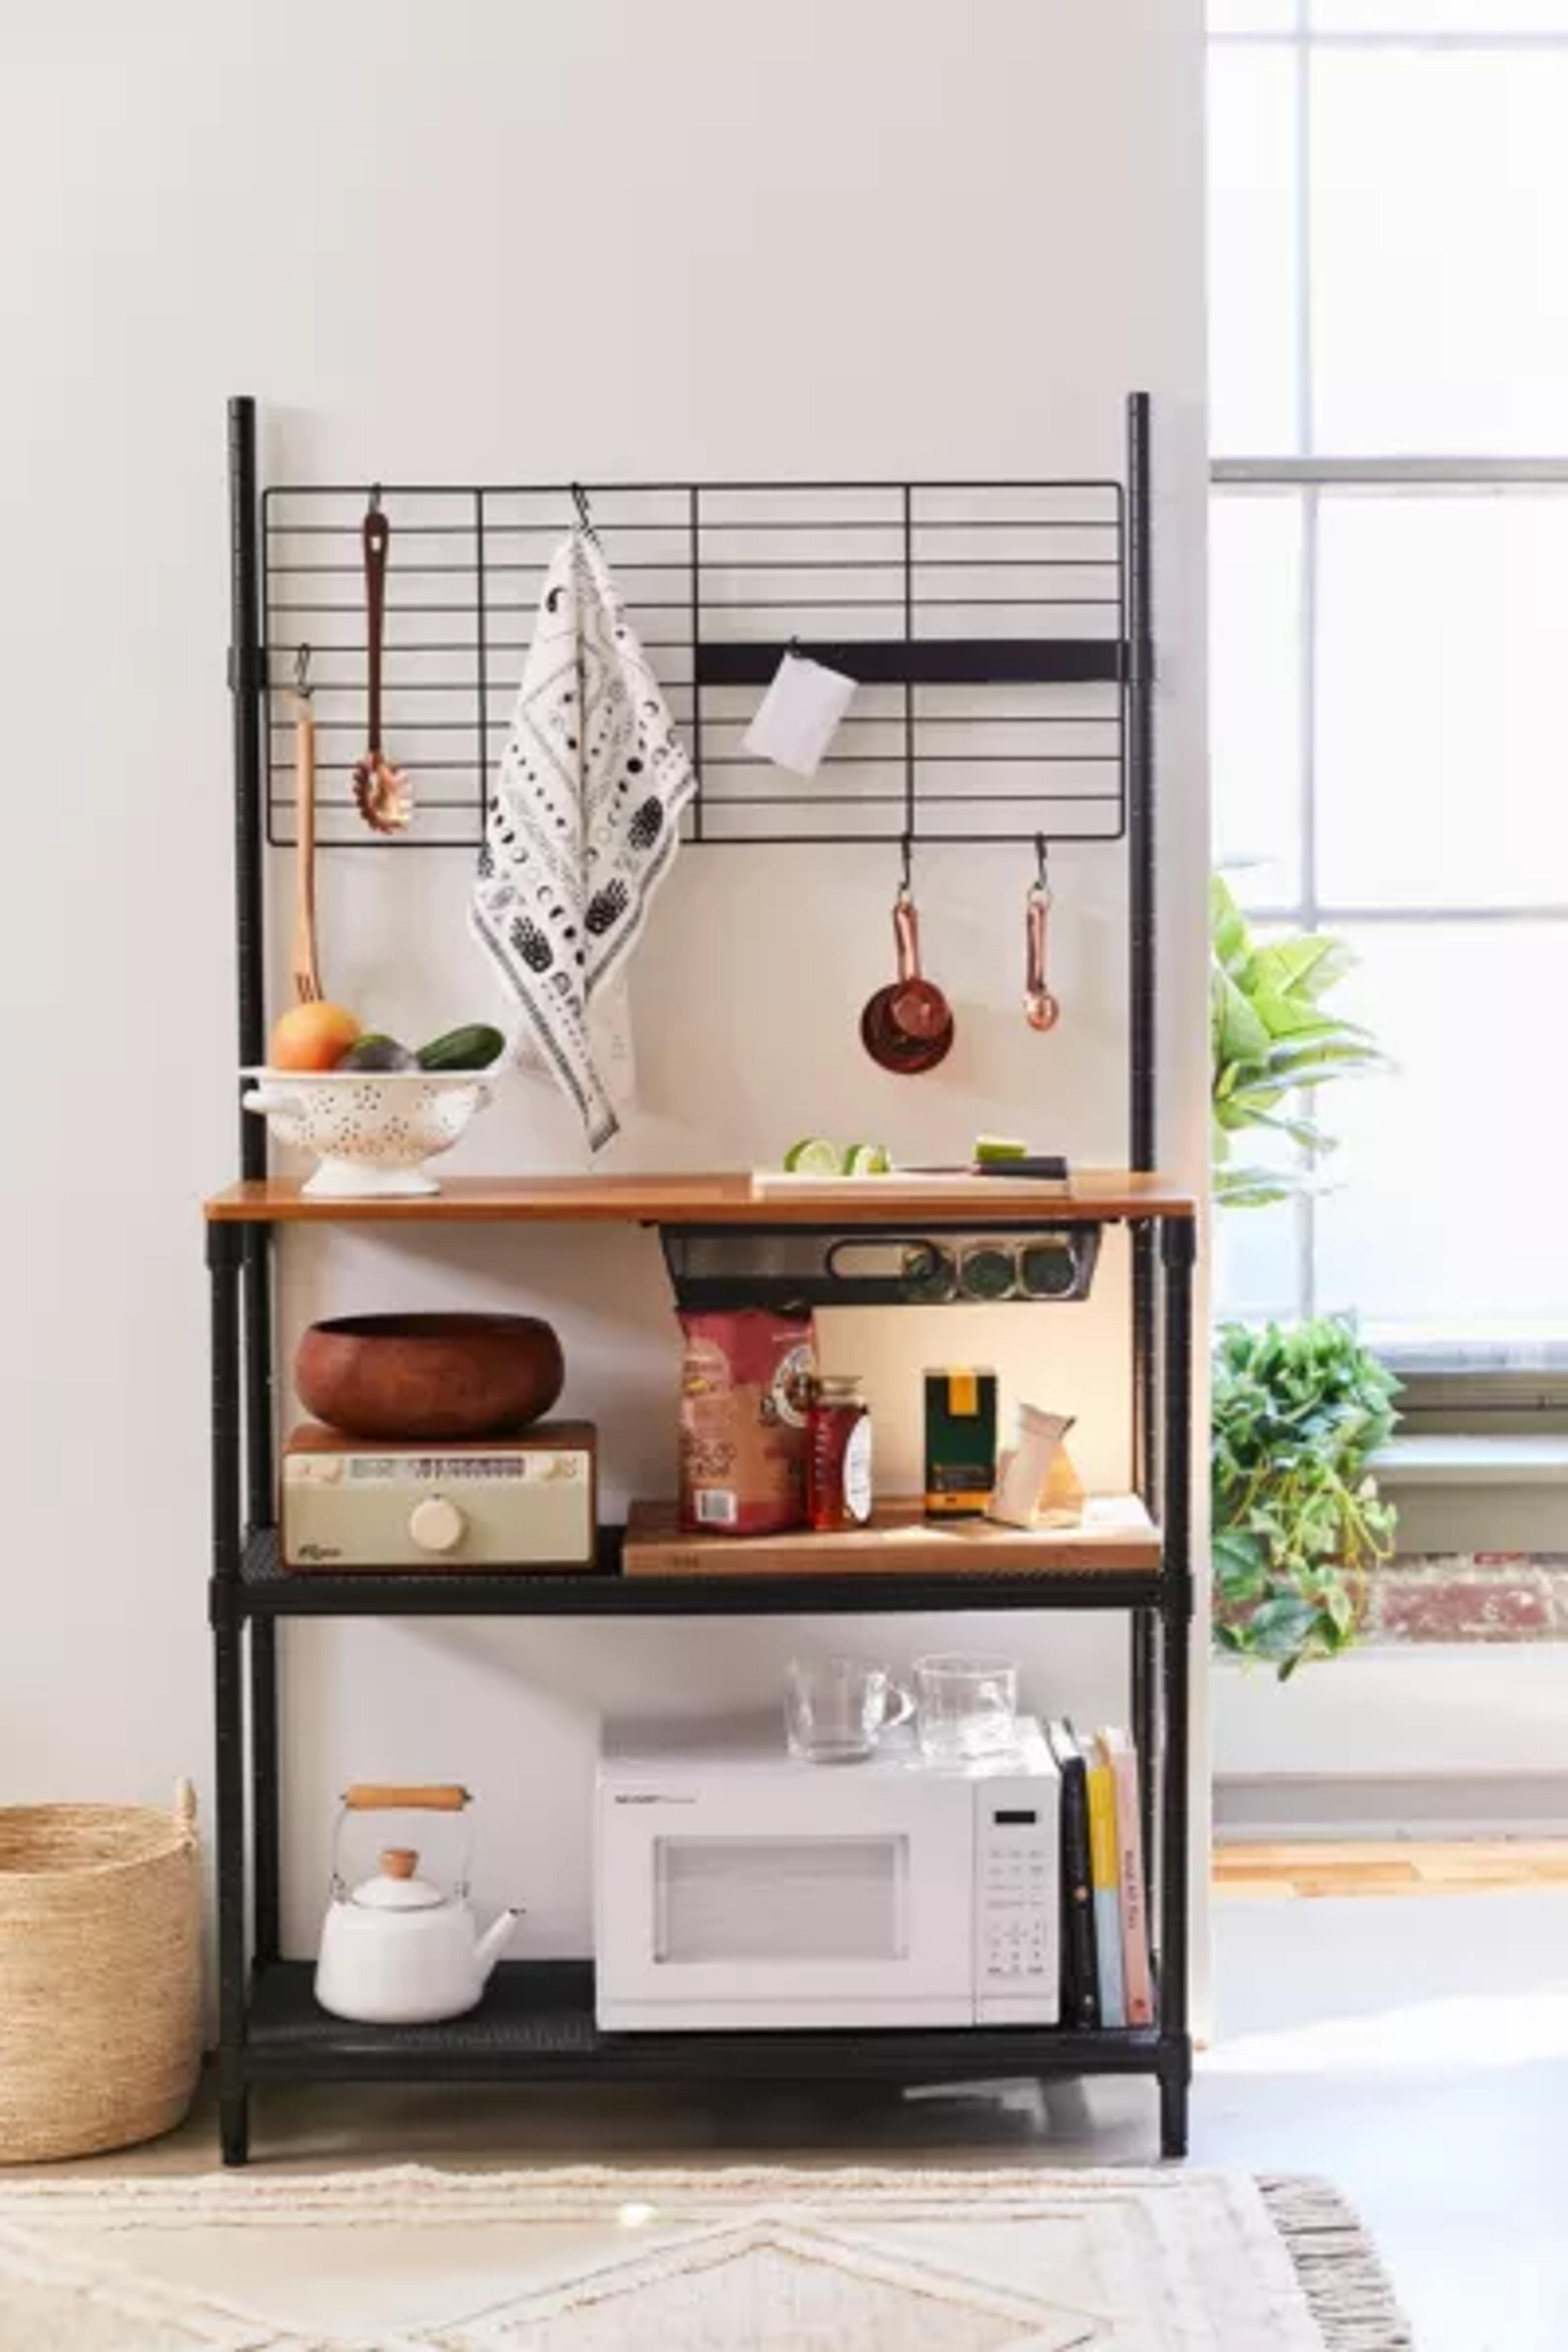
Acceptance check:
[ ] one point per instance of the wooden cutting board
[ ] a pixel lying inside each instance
(1117, 1533)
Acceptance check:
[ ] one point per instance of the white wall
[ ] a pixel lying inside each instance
(1433, 1738)
(484, 241)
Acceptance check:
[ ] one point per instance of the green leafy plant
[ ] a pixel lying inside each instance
(1272, 1043)
(1298, 1518)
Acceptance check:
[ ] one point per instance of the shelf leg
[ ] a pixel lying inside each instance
(224, 1259)
(1145, 1729)
(1178, 1254)
(264, 1787)
(1174, 2104)
(260, 1449)
(234, 2126)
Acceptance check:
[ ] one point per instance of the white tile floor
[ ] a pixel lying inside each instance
(1414, 2051)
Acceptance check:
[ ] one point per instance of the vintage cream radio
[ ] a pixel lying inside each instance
(523, 1502)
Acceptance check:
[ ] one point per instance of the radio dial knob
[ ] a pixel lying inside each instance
(437, 1525)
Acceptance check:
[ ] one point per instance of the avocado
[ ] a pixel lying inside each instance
(375, 1052)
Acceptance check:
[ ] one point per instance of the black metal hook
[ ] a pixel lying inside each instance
(302, 685)
(907, 848)
(1042, 864)
(375, 498)
(584, 517)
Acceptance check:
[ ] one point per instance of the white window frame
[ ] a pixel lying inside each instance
(1310, 475)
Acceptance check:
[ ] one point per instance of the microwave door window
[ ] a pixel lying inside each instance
(780, 1900)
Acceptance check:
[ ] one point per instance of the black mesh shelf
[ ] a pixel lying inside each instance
(536, 2021)
(989, 626)
(270, 1590)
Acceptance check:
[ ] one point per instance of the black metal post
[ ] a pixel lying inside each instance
(1142, 1639)
(1143, 1099)
(1178, 1250)
(260, 1493)
(247, 686)
(694, 518)
(481, 665)
(226, 1611)
(265, 1795)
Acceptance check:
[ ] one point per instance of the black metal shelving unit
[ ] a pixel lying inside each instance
(536, 2021)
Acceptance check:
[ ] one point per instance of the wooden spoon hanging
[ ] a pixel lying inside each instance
(382, 792)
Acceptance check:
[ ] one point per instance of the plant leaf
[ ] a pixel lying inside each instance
(1252, 1188)
(1271, 1040)
(1298, 1413)
(1239, 1035)
(1227, 926)
(1306, 967)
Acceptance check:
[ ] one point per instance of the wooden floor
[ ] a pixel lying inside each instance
(1401, 1866)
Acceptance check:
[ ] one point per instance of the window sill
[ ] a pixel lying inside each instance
(1504, 1459)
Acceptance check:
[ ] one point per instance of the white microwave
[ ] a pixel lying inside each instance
(735, 1886)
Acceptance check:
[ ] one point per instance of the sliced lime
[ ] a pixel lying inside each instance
(989, 1150)
(813, 1156)
(868, 1159)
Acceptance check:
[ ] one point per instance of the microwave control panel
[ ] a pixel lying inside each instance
(1017, 1905)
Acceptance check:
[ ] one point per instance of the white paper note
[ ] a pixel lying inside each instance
(799, 714)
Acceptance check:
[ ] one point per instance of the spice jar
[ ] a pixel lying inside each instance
(838, 1456)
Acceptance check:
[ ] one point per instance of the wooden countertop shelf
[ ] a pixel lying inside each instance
(1096, 1196)
(1117, 1534)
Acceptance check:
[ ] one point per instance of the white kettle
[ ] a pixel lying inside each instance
(395, 1950)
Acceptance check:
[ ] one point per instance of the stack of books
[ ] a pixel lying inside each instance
(1106, 1977)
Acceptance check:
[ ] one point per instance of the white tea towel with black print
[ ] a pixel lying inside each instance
(585, 820)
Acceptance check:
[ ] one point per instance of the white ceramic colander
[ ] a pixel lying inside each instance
(371, 1130)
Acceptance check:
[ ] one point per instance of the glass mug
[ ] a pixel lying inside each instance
(835, 1709)
(968, 1707)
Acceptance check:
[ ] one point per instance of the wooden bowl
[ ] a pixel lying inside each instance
(429, 1376)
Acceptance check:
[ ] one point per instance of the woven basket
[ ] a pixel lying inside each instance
(100, 1975)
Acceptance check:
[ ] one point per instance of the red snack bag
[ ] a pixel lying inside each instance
(745, 1392)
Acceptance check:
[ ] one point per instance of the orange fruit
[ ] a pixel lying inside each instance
(312, 1037)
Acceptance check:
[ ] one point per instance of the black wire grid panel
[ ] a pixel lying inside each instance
(987, 624)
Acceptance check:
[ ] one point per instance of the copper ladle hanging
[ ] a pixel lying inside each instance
(906, 1027)
(1041, 1009)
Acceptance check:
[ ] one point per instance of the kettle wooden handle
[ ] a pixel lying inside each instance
(380, 1797)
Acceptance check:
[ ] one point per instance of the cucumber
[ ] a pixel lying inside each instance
(472, 1047)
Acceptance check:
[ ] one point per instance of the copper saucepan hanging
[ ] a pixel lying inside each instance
(906, 1026)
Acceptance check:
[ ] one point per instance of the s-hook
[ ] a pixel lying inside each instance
(584, 517)
(302, 687)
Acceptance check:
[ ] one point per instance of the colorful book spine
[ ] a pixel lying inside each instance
(1080, 1970)
(1137, 1977)
(1105, 1875)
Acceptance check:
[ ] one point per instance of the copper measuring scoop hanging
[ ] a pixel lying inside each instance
(1041, 1009)
(906, 1027)
(383, 793)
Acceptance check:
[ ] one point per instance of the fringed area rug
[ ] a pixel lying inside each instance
(744, 2260)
